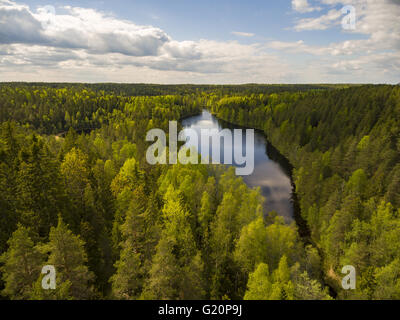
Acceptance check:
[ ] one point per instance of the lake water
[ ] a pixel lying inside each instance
(272, 178)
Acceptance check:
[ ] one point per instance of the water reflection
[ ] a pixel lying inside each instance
(269, 175)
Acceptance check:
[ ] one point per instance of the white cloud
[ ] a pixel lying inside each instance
(242, 34)
(78, 28)
(376, 20)
(321, 23)
(303, 6)
(86, 41)
(373, 56)
(87, 45)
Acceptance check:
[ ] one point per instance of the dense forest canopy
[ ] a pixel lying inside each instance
(345, 147)
(78, 194)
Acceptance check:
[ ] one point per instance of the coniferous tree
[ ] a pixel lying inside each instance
(67, 255)
(23, 263)
(127, 282)
(177, 267)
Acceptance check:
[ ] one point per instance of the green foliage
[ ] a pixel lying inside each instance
(309, 289)
(176, 253)
(259, 286)
(190, 232)
(22, 265)
(67, 254)
(344, 146)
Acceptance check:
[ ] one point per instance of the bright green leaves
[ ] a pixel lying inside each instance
(259, 286)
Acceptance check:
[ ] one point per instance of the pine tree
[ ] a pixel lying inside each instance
(68, 256)
(127, 282)
(164, 277)
(22, 265)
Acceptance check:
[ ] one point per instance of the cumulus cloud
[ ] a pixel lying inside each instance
(17, 25)
(377, 20)
(374, 55)
(86, 39)
(79, 44)
(86, 42)
(78, 28)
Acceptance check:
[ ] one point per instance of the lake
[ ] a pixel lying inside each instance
(269, 175)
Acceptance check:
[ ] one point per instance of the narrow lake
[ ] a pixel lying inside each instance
(270, 175)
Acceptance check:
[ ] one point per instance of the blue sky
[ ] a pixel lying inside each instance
(176, 41)
(210, 19)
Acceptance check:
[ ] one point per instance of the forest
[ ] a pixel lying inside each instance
(345, 147)
(78, 194)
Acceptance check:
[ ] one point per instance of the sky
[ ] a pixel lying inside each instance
(200, 42)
